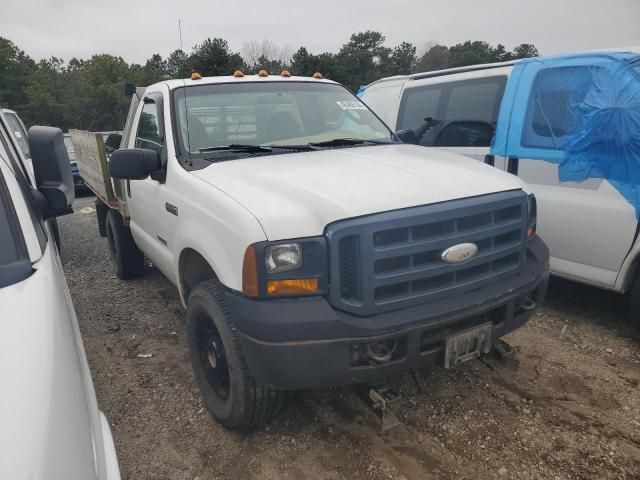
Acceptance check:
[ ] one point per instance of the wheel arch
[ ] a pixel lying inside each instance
(193, 268)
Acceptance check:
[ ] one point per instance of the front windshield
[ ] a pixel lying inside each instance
(271, 114)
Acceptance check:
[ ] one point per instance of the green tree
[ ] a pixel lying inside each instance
(15, 70)
(402, 60)
(178, 64)
(435, 58)
(525, 50)
(471, 53)
(155, 69)
(362, 59)
(214, 57)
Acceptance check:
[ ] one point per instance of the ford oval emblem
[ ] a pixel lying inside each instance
(460, 253)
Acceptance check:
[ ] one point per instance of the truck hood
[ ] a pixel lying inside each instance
(297, 194)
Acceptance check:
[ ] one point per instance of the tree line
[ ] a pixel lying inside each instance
(88, 94)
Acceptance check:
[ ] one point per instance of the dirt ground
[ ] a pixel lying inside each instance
(567, 407)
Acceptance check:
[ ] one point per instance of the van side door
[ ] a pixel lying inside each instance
(587, 224)
(463, 109)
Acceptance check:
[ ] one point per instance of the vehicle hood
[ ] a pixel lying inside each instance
(297, 194)
(48, 412)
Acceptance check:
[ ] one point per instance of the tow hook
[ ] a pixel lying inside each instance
(379, 398)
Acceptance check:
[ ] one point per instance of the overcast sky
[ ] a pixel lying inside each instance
(136, 29)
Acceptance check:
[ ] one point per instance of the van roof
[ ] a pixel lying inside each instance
(477, 67)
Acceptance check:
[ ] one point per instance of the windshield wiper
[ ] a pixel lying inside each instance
(236, 147)
(336, 142)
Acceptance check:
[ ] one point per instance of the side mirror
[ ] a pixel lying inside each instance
(52, 170)
(407, 136)
(134, 163)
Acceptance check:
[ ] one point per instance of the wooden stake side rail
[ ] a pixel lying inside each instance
(92, 160)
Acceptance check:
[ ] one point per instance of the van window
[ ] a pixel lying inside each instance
(149, 134)
(466, 111)
(19, 132)
(14, 259)
(553, 94)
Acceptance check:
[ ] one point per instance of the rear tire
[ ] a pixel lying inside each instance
(125, 254)
(231, 394)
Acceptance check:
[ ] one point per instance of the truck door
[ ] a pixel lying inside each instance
(587, 223)
(463, 109)
(146, 198)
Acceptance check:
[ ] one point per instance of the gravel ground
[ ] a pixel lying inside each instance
(567, 406)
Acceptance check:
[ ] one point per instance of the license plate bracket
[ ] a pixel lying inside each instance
(468, 345)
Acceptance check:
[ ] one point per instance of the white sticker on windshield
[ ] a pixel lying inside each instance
(351, 105)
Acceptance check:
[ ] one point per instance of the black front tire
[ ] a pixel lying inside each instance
(231, 394)
(125, 254)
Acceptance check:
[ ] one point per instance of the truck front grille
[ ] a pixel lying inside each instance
(392, 260)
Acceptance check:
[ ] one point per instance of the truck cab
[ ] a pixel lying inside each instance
(310, 247)
(590, 226)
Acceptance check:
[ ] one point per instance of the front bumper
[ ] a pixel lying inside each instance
(305, 343)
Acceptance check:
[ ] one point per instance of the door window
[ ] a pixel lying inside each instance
(149, 134)
(465, 111)
(551, 115)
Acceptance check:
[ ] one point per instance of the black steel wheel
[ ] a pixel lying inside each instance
(232, 395)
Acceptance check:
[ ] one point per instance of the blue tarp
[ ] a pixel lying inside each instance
(581, 112)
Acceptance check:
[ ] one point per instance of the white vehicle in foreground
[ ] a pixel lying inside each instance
(50, 425)
(309, 246)
(589, 226)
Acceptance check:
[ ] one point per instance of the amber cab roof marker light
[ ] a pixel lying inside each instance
(263, 73)
(238, 74)
(317, 75)
(285, 73)
(196, 76)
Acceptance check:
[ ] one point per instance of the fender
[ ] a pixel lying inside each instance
(222, 248)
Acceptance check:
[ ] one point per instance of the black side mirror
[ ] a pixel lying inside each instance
(134, 163)
(407, 136)
(52, 170)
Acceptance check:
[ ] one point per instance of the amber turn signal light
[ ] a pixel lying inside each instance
(250, 273)
(294, 286)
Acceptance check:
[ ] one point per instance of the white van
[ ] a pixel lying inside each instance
(590, 227)
(51, 424)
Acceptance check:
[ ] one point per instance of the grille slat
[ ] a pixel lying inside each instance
(441, 267)
(445, 242)
(397, 258)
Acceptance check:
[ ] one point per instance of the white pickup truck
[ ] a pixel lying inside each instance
(308, 245)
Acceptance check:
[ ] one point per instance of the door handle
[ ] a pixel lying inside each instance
(512, 165)
(490, 159)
